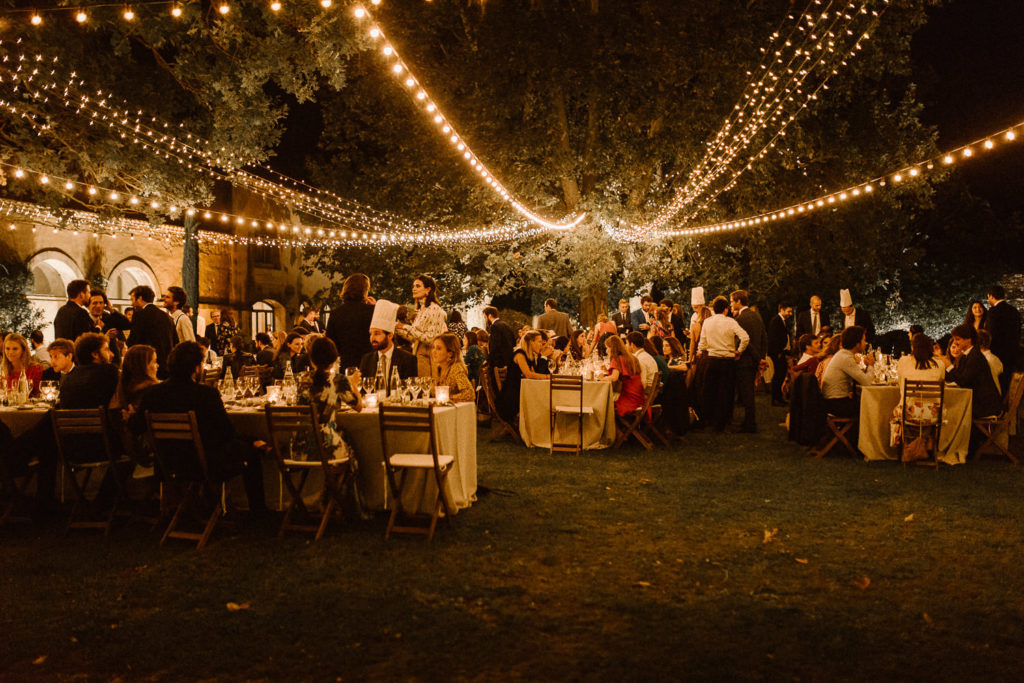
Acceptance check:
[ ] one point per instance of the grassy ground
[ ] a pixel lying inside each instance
(731, 557)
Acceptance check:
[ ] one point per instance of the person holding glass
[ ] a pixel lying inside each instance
(17, 359)
(430, 321)
(450, 370)
(525, 365)
(623, 367)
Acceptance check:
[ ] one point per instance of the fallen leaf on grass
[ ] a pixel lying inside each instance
(909, 518)
(642, 584)
(927, 619)
(644, 482)
(862, 583)
(39, 660)
(235, 607)
(769, 535)
(800, 560)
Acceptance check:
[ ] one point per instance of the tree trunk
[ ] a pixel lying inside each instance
(593, 302)
(190, 266)
(570, 188)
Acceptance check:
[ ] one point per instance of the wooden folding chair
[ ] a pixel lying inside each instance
(84, 447)
(499, 426)
(181, 462)
(290, 426)
(211, 376)
(993, 427)
(633, 424)
(922, 426)
(413, 420)
(569, 402)
(839, 427)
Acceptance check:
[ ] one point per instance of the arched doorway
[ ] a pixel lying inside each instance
(51, 270)
(266, 315)
(126, 276)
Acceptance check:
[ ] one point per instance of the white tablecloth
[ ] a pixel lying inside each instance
(876, 406)
(456, 436)
(535, 415)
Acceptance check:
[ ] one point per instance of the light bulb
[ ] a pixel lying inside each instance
(80, 17)
(224, 9)
(325, 4)
(129, 15)
(69, 185)
(36, 20)
(43, 180)
(275, 6)
(375, 33)
(175, 11)
(360, 12)
(397, 68)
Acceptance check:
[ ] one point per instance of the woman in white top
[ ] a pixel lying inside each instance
(429, 323)
(920, 365)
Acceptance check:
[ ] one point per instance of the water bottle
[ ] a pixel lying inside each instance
(23, 389)
(395, 383)
(227, 375)
(3, 383)
(380, 384)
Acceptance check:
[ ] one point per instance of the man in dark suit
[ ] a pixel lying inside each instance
(622, 319)
(383, 349)
(970, 370)
(554, 320)
(73, 318)
(850, 315)
(639, 317)
(93, 380)
(1003, 323)
(311, 319)
(752, 357)
(227, 455)
(151, 325)
(264, 351)
(349, 324)
(812, 320)
(778, 350)
(502, 342)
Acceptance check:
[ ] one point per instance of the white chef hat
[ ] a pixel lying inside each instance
(844, 298)
(697, 296)
(384, 315)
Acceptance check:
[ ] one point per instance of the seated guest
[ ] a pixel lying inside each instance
(475, 356)
(17, 359)
(324, 394)
(966, 367)
(828, 353)
(62, 360)
(284, 359)
(209, 355)
(525, 365)
(921, 365)
(844, 372)
(623, 367)
(236, 356)
(578, 347)
(449, 369)
(138, 373)
(674, 354)
(648, 366)
(994, 364)
(383, 348)
(94, 379)
(549, 358)
(653, 346)
(810, 350)
(226, 454)
(264, 350)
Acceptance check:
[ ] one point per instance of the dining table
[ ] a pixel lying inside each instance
(877, 403)
(535, 415)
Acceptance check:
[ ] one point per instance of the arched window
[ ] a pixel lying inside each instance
(127, 275)
(52, 270)
(262, 317)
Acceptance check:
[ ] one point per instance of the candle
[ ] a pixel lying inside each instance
(273, 393)
(441, 393)
(370, 401)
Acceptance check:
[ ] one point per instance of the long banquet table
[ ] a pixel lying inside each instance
(535, 416)
(876, 407)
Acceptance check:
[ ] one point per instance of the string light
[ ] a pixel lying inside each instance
(80, 17)
(128, 14)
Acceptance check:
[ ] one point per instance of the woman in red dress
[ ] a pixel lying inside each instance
(623, 366)
(18, 359)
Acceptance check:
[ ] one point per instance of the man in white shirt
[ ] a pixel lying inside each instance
(175, 299)
(724, 341)
(844, 372)
(648, 366)
(39, 352)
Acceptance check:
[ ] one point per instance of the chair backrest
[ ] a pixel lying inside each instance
(929, 392)
(500, 376)
(250, 370)
(287, 423)
(211, 376)
(565, 383)
(82, 434)
(488, 381)
(1013, 394)
(652, 391)
(177, 446)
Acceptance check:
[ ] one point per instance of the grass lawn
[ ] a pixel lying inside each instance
(730, 557)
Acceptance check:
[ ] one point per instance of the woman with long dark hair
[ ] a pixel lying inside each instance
(428, 324)
(977, 315)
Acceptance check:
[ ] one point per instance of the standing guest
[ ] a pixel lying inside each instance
(402, 318)
(225, 331)
(93, 381)
(129, 313)
(264, 350)
(700, 316)
(778, 350)
(73, 318)
(502, 340)
(105, 318)
(524, 365)
(1004, 326)
(475, 356)
(175, 299)
(311, 319)
(623, 323)
(287, 354)
(554, 319)
(641, 317)
(17, 360)
(844, 372)
(752, 359)
(349, 324)
(212, 331)
(209, 355)
(648, 366)
(851, 315)
(226, 454)
(676, 317)
(62, 361)
(449, 369)
(138, 373)
(967, 367)
(428, 323)
(976, 316)
(723, 340)
(994, 364)
(151, 326)
(484, 341)
(660, 323)
(456, 326)
(200, 321)
(383, 349)
(40, 354)
(605, 326)
(623, 367)
(699, 307)
(812, 320)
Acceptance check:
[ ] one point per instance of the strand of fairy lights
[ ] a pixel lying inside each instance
(767, 99)
(400, 69)
(133, 123)
(831, 200)
(128, 13)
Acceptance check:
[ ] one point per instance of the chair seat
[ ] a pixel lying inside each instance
(989, 419)
(420, 460)
(314, 463)
(575, 410)
(921, 422)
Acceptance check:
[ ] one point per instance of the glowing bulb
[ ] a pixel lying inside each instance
(207, 215)
(92, 190)
(129, 15)
(175, 11)
(375, 33)
(410, 82)
(36, 20)
(153, 204)
(989, 144)
(388, 50)
(43, 180)
(80, 17)
(275, 6)
(397, 68)
(968, 152)
(421, 95)
(325, 4)
(69, 185)
(947, 159)
(224, 9)
(360, 12)
(896, 178)
(1010, 135)
(114, 196)
(134, 200)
